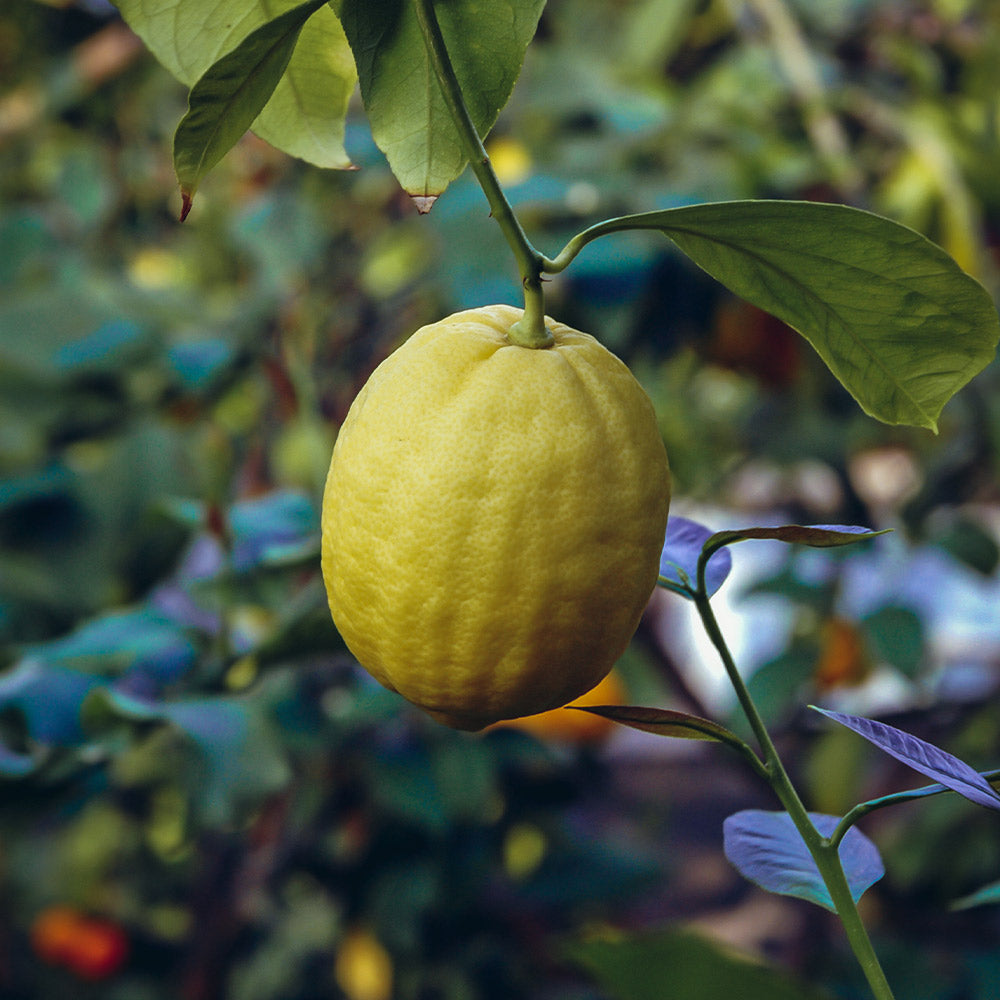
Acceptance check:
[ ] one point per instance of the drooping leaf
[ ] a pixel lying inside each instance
(766, 848)
(663, 722)
(819, 536)
(409, 118)
(679, 559)
(49, 698)
(921, 756)
(305, 116)
(661, 964)
(893, 316)
(230, 95)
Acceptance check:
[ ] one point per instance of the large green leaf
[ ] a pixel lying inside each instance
(662, 964)
(409, 118)
(305, 114)
(231, 93)
(893, 316)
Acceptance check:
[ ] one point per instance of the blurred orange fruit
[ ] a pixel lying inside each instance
(89, 947)
(563, 725)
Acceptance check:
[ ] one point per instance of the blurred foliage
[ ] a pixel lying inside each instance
(191, 756)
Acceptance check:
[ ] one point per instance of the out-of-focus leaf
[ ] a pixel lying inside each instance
(15, 765)
(409, 118)
(921, 756)
(49, 697)
(919, 332)
(139, 638)
(274, 528)
(239, 759)
(679, 559)
(305, 115)
(767, 849)
(777, 683)
(656, 965)
(198, 363)
(231, 93)
(988, 895)
(896, 635)
(970, 543)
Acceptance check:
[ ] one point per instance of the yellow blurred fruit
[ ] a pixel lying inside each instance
(563, 725)
(510, 159)
(493, 518)
(363, 968)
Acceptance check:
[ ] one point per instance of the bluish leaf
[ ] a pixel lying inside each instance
(138, 639)
(49, 697)
(679, 559)
(986, 896)
(239, 759)
(767, 849)
(109, 344)
(15, 765)
(196, 363)
(922, 756)
(269, 528)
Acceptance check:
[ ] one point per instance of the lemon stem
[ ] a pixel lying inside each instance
(530, 330)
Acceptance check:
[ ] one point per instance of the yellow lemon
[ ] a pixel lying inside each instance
(493, 518)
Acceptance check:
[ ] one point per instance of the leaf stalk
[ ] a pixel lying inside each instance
(530, 330)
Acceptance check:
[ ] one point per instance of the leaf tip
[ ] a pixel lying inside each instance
(187, 200)
(423, 202)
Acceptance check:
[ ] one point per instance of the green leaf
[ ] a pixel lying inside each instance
(305, 115)
(663, 722)
(893, 316)
(409, 118)
(230, 95)
(817, 536)
(669, 963)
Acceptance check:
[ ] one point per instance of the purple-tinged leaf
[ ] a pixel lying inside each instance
(921, 756)
(49, 697)
(767, 849)
(662, 722)
(681, 550)
(140, 639)
(818, 536)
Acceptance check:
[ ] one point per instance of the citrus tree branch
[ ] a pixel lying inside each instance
(823, 850)
(529, 331)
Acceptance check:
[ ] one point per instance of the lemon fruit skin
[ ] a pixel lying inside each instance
(493, 518)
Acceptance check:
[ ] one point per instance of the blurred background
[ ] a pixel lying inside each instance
(203, 798)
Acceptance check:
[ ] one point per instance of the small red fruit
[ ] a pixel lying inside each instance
(91, 948)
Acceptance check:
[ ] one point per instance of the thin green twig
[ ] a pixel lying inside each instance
(530, 331)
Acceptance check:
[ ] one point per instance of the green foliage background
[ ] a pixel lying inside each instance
(188, 749)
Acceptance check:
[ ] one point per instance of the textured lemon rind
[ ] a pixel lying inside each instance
(493, 518)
